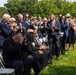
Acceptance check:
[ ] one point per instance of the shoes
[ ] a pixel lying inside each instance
(57, 58)
(49, 62)
(46, 67)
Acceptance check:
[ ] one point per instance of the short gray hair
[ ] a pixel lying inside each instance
(5, 16)
(20, 15)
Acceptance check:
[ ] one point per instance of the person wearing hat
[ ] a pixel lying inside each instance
(67, 17)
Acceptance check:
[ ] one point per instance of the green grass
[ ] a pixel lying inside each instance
(66, 65)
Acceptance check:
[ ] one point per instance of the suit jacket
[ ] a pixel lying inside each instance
(23, 23)
(56, 29)
(11, 50)
(5, 32)
(26, 23)
(31, 48)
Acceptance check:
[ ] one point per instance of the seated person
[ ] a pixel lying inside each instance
(13, 57)
(43, 42)
(34, 49)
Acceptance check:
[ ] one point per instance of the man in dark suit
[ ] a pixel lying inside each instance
(26, 19)
(21, 23)
(34, 49)
(5, 29)
(12, 55)
(53, 28)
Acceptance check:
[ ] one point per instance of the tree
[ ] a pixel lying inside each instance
(41, 8)
(13, 7)
(73, 9)
(3, 11)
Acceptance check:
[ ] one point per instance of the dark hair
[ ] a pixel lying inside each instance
(30, 36)
(32, 27)
(64, 18)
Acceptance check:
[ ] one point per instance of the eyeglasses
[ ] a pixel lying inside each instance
(13, 21)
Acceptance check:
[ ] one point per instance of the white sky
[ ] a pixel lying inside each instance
(71, 0)
(2, 2)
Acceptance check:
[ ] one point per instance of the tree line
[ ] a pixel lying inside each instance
(37, 8)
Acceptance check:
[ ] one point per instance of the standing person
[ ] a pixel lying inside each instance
(13, 25)
(5, 28)
(64, 37)
(67, 20)
(72, 33)
(21, 24)
(32, 23)
(26, 19)
(53, 28)
(42, 29)
(39, 20)
(59, 17)
(44, 42)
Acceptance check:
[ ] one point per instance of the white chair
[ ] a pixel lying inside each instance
(1, 61)
(7, 71)
(3, 70)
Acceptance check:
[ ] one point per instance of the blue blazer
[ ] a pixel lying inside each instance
(5, 32)
(65, 28)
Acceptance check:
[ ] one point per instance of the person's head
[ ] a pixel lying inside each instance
(63, 18)
(52, 17)
(35, 31)
(6, 18)
(0, 19)
(39, 18)
(32, 21)
(12, 22)
(35, 19)
(20, 17)
(26, 16)
(18, 38)
(67, 15)
(45, 20)
(60, 15)
(48, 19)
(71, 22)
(30, 37)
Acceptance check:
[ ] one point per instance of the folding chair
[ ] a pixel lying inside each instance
(3, 70)
(1, 61)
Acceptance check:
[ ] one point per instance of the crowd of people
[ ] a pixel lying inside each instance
(31, 43)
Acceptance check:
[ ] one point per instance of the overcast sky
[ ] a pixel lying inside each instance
(2, 2)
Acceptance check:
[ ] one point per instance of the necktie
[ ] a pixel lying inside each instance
(7, 25)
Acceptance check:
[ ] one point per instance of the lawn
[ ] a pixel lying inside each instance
(66, 65)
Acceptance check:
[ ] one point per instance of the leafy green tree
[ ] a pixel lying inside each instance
(13, 7)
(73, 9)
(41, 8)
(3, 11)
